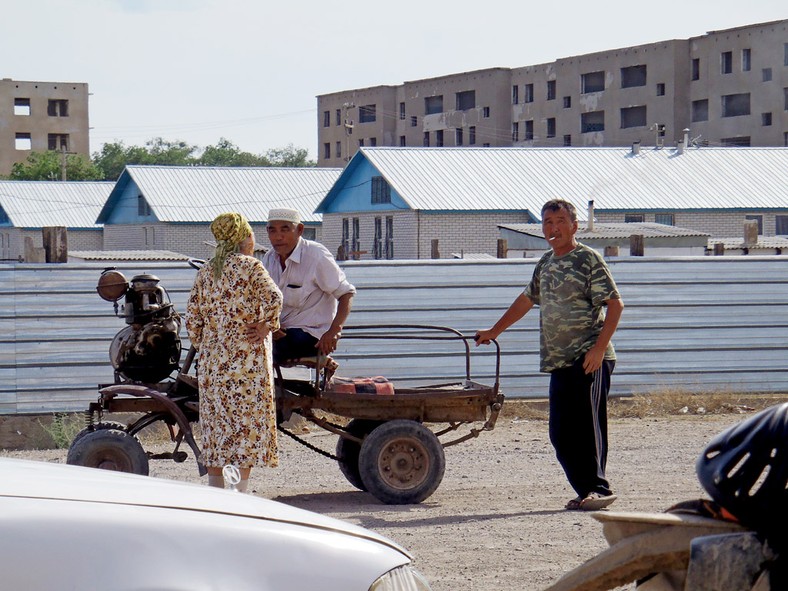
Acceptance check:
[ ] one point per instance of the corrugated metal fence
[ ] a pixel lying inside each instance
(695, 324)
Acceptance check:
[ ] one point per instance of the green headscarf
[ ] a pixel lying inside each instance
(229, 229)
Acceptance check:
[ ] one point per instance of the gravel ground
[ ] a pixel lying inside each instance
(497, 521)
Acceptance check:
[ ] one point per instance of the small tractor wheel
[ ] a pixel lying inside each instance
(109, 449)
(348, 450)
(401, 462)
(98, 427)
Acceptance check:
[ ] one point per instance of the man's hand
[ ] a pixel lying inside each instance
(484, 337)
(593, 359)
(278, 334)
(328, 342)
(256, 331)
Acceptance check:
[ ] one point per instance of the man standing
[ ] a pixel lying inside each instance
(317, 296)
(572, 285)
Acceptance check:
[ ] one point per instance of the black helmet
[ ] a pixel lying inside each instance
(745, 469)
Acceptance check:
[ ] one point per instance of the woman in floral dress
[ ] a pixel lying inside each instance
(235, 372)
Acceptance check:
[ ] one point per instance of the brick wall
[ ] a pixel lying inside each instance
(720, 224)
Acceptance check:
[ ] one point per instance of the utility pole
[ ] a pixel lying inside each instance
(348, 123)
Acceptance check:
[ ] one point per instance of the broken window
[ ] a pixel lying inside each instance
(633, 76)
(466, 100)
(57, 108)
(367, 114)
(736, 105)
(633, 117)
(592, 82)
(433, 105)
(58, 142)
(22, 106)
(593, 121)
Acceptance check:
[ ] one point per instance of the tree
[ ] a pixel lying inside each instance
(225, 153)
(48, 166)
(288, 156)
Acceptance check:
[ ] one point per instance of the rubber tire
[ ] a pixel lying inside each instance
(348, 450)
(98, 427)
(401, 462)
(109, 449)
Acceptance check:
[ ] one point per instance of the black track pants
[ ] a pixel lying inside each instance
(578, 425)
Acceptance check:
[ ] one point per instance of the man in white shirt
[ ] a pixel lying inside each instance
(317, 296)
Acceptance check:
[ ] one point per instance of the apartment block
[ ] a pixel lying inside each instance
(728, 88)
(41, 116)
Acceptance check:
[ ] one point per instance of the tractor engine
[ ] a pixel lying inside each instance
(149, 348)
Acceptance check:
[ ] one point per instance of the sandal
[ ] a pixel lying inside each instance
(595, 501)
(574, 505)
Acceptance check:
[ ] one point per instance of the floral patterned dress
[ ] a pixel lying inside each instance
(237, 408)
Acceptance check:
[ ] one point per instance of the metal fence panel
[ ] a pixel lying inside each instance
(691, 324)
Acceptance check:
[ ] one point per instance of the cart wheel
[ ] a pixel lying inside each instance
(348, 450)
(109, 449)
(401, 462)
(98, 427)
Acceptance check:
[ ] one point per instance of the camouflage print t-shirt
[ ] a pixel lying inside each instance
(571, 291)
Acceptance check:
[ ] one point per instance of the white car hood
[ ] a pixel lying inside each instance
(26, 479)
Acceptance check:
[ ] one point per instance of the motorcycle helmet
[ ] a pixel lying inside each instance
(745, 470)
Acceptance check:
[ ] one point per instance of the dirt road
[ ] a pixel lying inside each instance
(497, 520)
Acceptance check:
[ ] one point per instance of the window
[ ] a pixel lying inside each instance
(389, 237)
(529, 130)
(143, 209)
(402, 141)
(592, 82)
(551, 127)
(149, 235)
(756, 218)
(529, 93)
(326, 150)
(665, 219)
(736, 105)
(726, 62)
(567, 102)
(466, 100)
(402, 111)
(781, 225)
(433, 104)
(785, 54)
(746, 60)
(661, 89)
(381, 191)
(326, 118)
(766, 119)
(355, 244)
(373, 141)
(57, 108)
(414, 121)
(22, 106)
(766, 75)
(310, 234)
(426, 141)
(633, 76)
(695, 69)
(338, 150)
(367, 114)
(700, 110)
(567, 140)
(785, 99)
(458, 136)
(377, 244)
(551, 90)
(731, 142)
(515, 94)
(439, 138)
(486, 112)
(633, 117)
(344, 246)
(57, 141)
(361, 142)
(472, 135)
(593, 121)
(23, 141)
(634, 218)
(338, 117)
(515, 131)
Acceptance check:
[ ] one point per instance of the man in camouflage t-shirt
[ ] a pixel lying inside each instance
(573, 287)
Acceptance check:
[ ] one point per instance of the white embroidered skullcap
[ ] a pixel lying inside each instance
(285, 215)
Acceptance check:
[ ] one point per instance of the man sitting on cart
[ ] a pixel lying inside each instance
(317, 296)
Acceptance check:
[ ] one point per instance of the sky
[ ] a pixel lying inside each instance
(250, 70)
